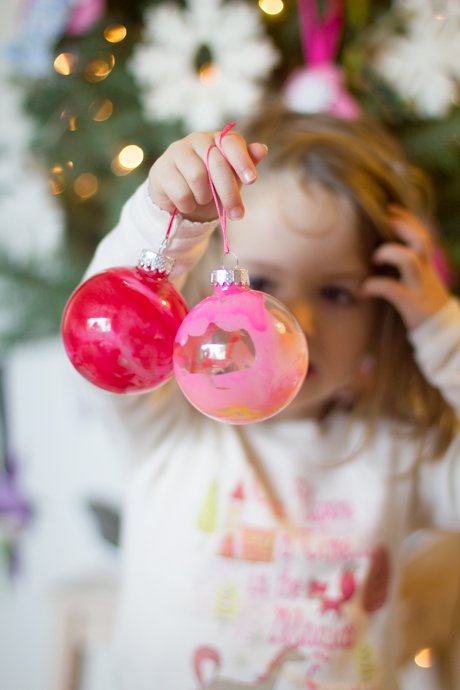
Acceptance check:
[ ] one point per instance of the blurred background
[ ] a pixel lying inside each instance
(91, 93)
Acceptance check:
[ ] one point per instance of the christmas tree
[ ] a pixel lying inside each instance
(107, 86)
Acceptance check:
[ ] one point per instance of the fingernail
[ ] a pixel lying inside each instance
(236, 213)
(249, 175)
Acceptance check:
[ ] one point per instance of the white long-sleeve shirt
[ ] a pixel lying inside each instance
(219, 593)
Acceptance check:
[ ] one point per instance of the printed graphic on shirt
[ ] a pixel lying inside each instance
(266, 681)
(207, 517)
(308, 590)
(226, 601)
(318, 590)
(365, 661)
(243, 541)
(376, 586)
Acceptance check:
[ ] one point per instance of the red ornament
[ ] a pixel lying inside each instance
(119, 325)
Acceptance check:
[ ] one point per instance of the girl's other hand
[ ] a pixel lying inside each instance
(179, 177)
(420, 292)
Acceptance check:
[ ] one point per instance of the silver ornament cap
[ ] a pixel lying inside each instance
(151, 262)
(230, 276)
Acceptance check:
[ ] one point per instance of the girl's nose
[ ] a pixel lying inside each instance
(303, 312)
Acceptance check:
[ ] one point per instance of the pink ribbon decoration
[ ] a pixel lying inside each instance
(84, 16)
(320, 41)
(320, 87)
(222, 215)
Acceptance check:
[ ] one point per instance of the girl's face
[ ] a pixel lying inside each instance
(303, 248)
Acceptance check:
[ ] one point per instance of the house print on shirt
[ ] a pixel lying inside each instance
(243, 541)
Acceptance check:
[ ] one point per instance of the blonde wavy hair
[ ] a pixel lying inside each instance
(361, 161)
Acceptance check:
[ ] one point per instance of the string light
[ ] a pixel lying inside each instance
(131, 156)
(210, 74)
(128, 159)
(115, 33)
(57, 179)
(65, 63)
(118, 169)
(70, 115)
(103, 110)
(271, 6)
(423, 658)
(100, 67)
(85, 186)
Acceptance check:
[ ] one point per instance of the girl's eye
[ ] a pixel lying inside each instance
(259, 283)
(338, 295)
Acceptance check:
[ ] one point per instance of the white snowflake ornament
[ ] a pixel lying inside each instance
(165, 63)
(424, 64)
(31, 222)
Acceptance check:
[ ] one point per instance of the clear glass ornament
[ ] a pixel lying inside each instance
(239, 356)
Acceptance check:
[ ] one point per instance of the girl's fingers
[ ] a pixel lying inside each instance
(410, 230)
(180, 177)
(257, 152)
(406, 259)
(226, 185)
(238, 156)
(385, 288)
(175, 192)
(399, 295)
(414, 308)
(193, 170)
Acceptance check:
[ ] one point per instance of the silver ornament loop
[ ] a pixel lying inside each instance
(163, 245)
(222, 261)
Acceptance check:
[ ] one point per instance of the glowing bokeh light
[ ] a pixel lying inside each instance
(131, 156)
(210, 74)
(85, 186)
(57, 180)
(115, 33)
(104, 110)
(423, 658)
(118, 169)
(271, 6)
(99, 67)
(65, 63)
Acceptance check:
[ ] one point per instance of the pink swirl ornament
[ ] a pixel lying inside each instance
(239, 356)
(119, 326)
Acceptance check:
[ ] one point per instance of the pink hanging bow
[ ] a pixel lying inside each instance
(320, 86)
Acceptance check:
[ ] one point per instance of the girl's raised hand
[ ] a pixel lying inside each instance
(179, 177)
(420, 292)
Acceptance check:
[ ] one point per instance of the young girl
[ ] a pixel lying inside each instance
(266, 555)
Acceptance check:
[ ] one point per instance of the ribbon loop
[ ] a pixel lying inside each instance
(222, 215)
(320, 38)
